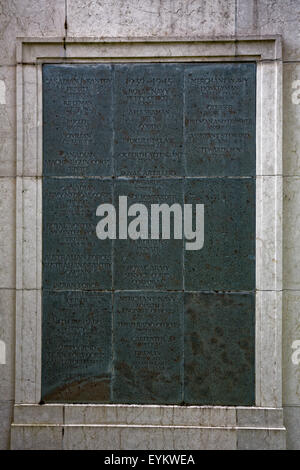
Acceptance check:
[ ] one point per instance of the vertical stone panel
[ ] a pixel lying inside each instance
(148, 110)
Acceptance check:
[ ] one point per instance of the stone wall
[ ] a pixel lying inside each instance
(150, 18)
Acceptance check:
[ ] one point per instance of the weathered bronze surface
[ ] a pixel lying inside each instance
(149, 264)
(73, 257)
(148, 347)
(147, 321)
(219, 348)
(227, 259)
(77, 104)
(220, 120)
(76, 346)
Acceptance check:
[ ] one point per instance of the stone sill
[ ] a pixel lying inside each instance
(149, 415)
(133, 427)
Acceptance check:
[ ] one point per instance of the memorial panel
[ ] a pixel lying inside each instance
(73, 257)
(229, 235)
(148, 347)
(219, 349)
(135, 312)
(76, 359)
(220, 119)
(149, 263)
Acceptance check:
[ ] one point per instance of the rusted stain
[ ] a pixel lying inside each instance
(89, 390)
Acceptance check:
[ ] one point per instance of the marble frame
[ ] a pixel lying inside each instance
(31, 54)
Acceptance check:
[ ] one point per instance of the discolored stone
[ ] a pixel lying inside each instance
(219, 349)
(227, 259)
(76, 352)
(77, 120)
(73, 256)
(148, 347)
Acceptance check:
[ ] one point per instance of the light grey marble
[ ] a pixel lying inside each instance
(7, 336)
(7, 121)
(259, 417)
(269, 233)
(7, 233)
(153, 427)
(269, 117)
(28, 358)
(265, 17)
(261, 439)
(291, 348)
(38, 414)
(292, 423)
(151, 18)
(155, 415)
(36, 437)
(291, 239)
(148, 438)
(6, 411)
(268, 348)
(29, 233)
(28, 18)
(291, 119)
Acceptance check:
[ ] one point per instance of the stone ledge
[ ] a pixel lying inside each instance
(152, 427)
(32, 50)
(149, 415)
(133, 437)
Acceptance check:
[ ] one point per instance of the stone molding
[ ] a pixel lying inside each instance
(31, 54)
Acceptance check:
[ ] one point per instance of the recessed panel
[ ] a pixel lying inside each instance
(219, 352)
(148, 352)
(149, 233)
(73, 256)
(149, 263)
(76, 360)
(77, 120)
(220, 119)
(227, 260)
